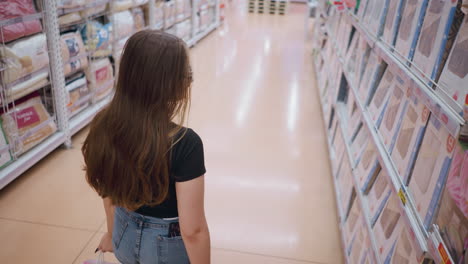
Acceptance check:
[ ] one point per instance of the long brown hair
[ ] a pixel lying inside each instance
(127, 150)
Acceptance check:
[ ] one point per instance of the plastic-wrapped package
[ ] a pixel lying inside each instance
(139, 2)
(69, 4)
(180, 8)
(72, 47)
(392, 21)
(410, 27)
(94, 10)
(159, 14)
(79, 95)
(28, 124)
(345, 184)
(100, 76)
(434, 35)
(70, 18)
(351, 224)
(138, 18)
(23, 88)
(454, 79)
(375, 16)
(18, 8)
(359, 144)
(99, 38)
(169, 14)
(378, 195)
(410, 135)
(24, 57)
(124, 23)
(372, 74)
(120, 5)
(5, 155)
(380, 99)
(431, 169)
(457, 180)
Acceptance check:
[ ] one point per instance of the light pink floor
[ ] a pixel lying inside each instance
(269, 191)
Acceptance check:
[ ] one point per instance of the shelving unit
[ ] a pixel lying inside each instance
(427, 243)
(57, 104)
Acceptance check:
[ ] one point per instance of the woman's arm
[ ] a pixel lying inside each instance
(106, 240)
(193, 226)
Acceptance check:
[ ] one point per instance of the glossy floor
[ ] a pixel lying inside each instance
(269, 191)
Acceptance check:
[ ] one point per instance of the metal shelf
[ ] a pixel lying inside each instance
(83, 118)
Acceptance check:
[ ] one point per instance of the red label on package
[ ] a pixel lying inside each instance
(101, 74)
(444, 255)
(450, 143)
(26, 117)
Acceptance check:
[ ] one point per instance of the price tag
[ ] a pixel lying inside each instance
(402, 196)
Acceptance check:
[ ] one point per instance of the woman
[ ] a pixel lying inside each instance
(149, 170)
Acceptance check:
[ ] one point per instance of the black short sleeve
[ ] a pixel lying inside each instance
(188, 160)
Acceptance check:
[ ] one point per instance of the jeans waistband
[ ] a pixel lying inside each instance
(145, 221)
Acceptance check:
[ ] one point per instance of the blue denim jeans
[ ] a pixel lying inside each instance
(139, 239)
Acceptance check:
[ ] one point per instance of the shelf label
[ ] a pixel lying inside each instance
(402, 196)
(443, 254)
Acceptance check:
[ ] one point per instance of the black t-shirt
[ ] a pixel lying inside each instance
(187, 163)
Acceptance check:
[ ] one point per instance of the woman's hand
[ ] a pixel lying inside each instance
(106, 243)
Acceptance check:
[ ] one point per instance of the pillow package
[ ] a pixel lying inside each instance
(100, 77)
(139, 18)
(352, 221)
(433, 37)
(124, 23)
(454, 78)
(345, 184)
(17, 8)
(120, 5)
(410, 27)
(28, 124)
(78, 94)
(378, 195)
(99, 38)
(381, 96)
(410, 135)
(24, 57)
(375, 16)
(361, 246)
(368, 166)
(431, 169)
(372, 74)
(73, 52)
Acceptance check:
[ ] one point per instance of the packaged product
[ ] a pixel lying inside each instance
(394, 112)
(352, 221)
(97, 37)
(410, 27)
(139, 2)
(381, 97)
(392, 22)
(362, 8)
(433, 38)
(95, 9)
(138, 18)
(100, 77)
(375, 16)
(124, 23)
(5, 155)
(78, 93)
(73, 52)
(457, 180)
(70, 4)
(368, 166)
(345, 184)
(373, 72)
(120, 5)
(17, 8)
(431, 169)
(70, 18)
(410, 134)
(378, 195)
(453, 81)
(351, 58)
(27, 124)
(358, 145)
(361, 250)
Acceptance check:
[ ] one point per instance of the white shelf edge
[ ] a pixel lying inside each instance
(31, 157)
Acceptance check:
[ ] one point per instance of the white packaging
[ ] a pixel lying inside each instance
(363, 52)
(410, 134)
(361, 247)
(410, 26)
(392, 21)
(375, 16)
(378, 195)
(381, 96)
(433, 37)
(372, 74)
(345, 184)
(362, 9)
(453, 82)
(393, 114)
(431, 168)
(359, 144)
(351, 58)
(353, 221)
(403, 251)
(368, 166)
(387, 228)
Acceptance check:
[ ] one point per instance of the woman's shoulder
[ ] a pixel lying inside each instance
(188, 140)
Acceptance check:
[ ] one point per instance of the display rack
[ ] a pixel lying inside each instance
(198, 18)
(330, 45)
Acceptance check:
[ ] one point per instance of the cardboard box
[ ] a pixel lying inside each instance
(410, 134)
(433, 37)
(394, 112)
(453, 81)
(410, 27)
(378, 195)
(388, 227)
(368, 166)
(381, 96)
(431, 169)
(392, 21)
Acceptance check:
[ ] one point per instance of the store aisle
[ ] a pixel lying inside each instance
(269, 194)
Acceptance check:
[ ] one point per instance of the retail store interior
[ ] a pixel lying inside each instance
(333, 131)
